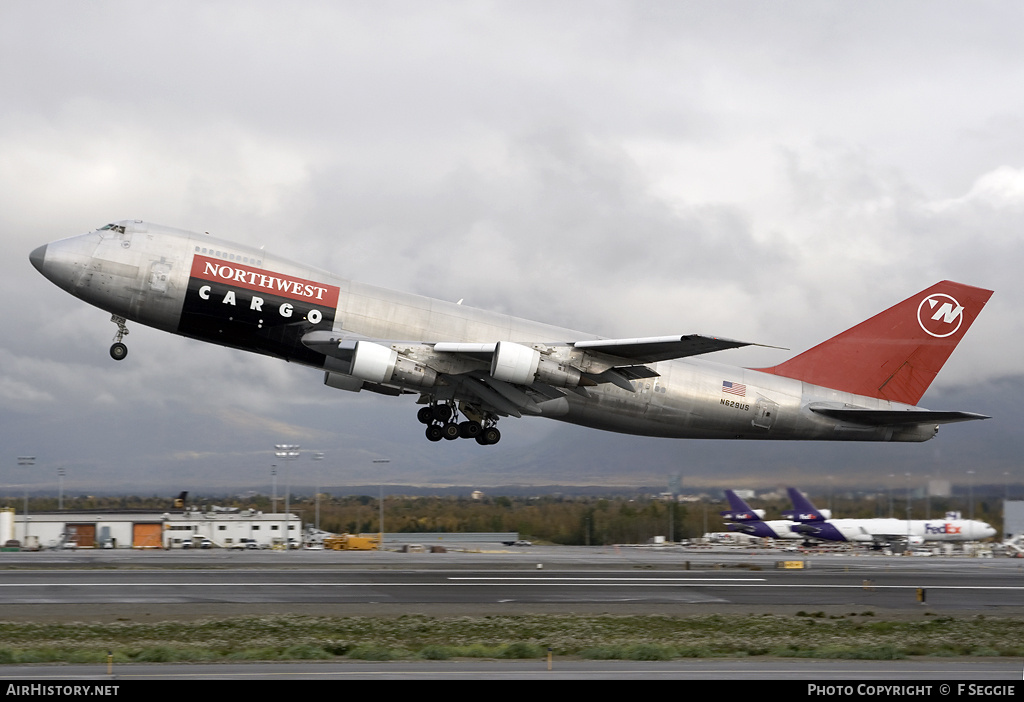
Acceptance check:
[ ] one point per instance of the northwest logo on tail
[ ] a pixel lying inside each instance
(940, 315)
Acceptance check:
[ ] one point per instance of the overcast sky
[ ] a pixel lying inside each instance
(769, 171)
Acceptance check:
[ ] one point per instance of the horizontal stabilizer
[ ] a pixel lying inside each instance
(858, 415)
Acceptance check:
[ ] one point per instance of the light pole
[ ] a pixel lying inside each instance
(908, 512)
(380, 517)
(970, 491)
(1006, 495)
(289, 452)
(671, 520)
(60, 489)
(26, 461)
(317, 456)
(273, 493)
(892, 477)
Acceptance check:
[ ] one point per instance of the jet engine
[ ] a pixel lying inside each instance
(379, 364)
(521, 365)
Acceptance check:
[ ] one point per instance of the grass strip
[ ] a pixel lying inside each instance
(649, 637)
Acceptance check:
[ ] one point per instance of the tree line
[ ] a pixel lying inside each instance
(555, 519)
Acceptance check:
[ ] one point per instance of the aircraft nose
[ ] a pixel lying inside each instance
(37, 258)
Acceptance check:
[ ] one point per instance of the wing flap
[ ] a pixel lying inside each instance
(508, 391)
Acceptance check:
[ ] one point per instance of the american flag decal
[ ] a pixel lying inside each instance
(734, 388)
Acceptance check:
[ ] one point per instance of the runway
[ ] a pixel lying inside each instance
(147, 587)
(104, 584)
(137, 677)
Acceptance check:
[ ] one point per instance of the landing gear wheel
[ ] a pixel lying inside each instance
(442, 413)
(490, 435)
(434, 432)
(470, 430)
(118, 351)
(451, 431)
(425, 415)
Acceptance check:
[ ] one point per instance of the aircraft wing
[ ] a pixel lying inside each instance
(878, 537)
(889, 538)
(660, 348)
(862, 415)
(512, 377)
(806, 529)
(630, 351)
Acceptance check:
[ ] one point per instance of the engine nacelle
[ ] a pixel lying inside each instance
(558, 374)
(379, 364)
(521, 365)
(341, 381)
(411, 373)
(514, 363)
(373, 362)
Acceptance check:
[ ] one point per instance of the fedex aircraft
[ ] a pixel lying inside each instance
(468, 367)
(812, 523)
(751, 521)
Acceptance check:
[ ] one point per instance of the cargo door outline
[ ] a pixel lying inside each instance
(159, 273)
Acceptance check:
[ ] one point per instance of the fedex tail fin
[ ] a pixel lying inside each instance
(894, 355)
(739, 510)
(803, 510)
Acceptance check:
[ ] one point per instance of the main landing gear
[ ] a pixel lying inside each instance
(441, 421)
(118, 351)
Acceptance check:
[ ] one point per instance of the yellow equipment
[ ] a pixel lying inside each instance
(351, 542)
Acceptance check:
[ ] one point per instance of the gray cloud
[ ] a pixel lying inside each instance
(772, 173)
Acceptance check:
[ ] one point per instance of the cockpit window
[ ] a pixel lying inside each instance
(119, 228)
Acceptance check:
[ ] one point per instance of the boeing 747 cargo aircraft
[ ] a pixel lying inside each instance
(469, 367)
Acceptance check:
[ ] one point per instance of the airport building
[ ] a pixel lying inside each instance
(1013, 519)
(150, 529)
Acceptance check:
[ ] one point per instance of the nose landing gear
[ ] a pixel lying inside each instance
(118, 351)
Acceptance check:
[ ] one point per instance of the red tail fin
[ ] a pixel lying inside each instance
(894, 355)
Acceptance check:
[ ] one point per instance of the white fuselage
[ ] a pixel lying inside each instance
(913, 531)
